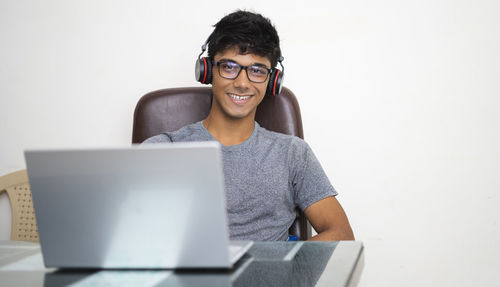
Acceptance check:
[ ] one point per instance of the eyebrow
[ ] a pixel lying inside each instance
(253, 64)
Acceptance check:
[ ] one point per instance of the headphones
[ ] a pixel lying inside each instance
(203, 72)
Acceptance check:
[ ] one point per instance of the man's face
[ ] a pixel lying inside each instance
(238, 98)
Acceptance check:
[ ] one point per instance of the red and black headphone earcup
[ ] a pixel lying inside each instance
(274, 86)
(203, 70)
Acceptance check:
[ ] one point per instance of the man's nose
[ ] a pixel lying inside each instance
(242, 79)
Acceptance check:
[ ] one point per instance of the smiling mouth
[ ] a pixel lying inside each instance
(238, 98)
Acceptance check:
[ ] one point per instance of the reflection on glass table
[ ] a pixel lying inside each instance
(265, 264)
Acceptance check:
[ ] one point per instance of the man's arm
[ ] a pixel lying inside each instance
(329, 219)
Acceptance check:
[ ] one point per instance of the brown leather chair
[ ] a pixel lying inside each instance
(170, 109)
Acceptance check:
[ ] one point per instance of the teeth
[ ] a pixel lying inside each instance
(239, 98)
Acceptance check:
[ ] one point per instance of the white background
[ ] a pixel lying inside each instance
(400, 102)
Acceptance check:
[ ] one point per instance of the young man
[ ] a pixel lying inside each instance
(267, 174)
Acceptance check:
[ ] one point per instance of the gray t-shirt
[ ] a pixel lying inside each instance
(266, 177)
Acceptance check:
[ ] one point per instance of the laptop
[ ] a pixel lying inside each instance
(148, 206)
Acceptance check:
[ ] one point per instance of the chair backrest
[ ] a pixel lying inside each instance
(168, 110)
(17, 186)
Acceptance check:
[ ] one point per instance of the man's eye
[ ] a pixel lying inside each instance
(259, 71)
(229, 66)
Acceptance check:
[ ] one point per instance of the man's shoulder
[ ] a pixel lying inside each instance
(161, 138)
(281, 139)
(190, 132)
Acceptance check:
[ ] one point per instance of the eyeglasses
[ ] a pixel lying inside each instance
(231, 70)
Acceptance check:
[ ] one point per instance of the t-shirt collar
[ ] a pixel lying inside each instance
(231, 147)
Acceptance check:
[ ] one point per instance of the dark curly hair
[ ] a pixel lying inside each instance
(252, 33)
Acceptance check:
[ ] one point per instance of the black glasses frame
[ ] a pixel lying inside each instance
(269, 71)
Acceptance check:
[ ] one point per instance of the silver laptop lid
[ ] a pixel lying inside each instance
(157, 206)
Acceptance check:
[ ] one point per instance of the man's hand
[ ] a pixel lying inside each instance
(330, 221)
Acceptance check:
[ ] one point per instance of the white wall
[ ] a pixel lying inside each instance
(400, 101)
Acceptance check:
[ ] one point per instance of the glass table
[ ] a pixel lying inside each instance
(265, 264)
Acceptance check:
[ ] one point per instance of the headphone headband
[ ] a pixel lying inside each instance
(204, 46)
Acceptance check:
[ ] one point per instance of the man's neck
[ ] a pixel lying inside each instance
(229, 131)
